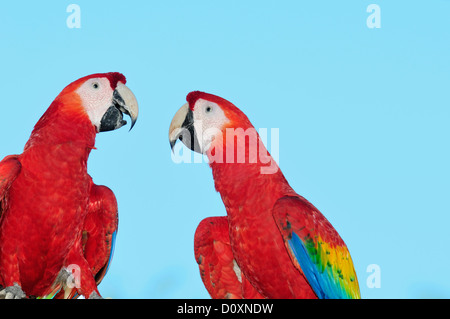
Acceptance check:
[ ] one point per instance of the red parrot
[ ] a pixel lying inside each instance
(273, 243)
(55, 223)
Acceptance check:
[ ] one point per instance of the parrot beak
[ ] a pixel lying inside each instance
(123, 101)
(182, 128)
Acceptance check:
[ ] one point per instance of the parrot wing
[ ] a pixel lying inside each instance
(9, 169)
(99, 235)
(316, 249)
(219, 271)
(100, 230)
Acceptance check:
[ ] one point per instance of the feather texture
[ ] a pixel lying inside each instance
(52, 215)
(282, 244)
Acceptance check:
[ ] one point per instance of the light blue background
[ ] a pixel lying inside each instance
(362, 114)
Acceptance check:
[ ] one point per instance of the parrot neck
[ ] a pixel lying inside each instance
(63, 128)
(237, 179)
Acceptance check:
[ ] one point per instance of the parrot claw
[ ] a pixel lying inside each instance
(12, 292)
(63, 277)
(94, 295)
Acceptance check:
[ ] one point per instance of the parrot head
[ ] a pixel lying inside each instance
(204, 118)
(105, 98)
(100, 98)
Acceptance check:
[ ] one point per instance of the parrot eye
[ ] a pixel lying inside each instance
(95, 85)
(208, 109)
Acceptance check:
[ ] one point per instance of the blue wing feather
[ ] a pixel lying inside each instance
(316, 249)
(113, 245)
(307, 266)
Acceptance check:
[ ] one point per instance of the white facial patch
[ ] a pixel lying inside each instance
(209, 119)
(96, 97)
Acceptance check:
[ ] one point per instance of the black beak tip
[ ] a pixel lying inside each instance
(172, 144)
(132, 124)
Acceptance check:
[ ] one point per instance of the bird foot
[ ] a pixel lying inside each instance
(63, 277)
(12, 292)
(94, 295)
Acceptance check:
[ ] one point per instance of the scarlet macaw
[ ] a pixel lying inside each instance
(53, 218)
(272, 238)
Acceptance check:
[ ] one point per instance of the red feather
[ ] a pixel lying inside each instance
(218, 269)
(52, 215)
(256, 243)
